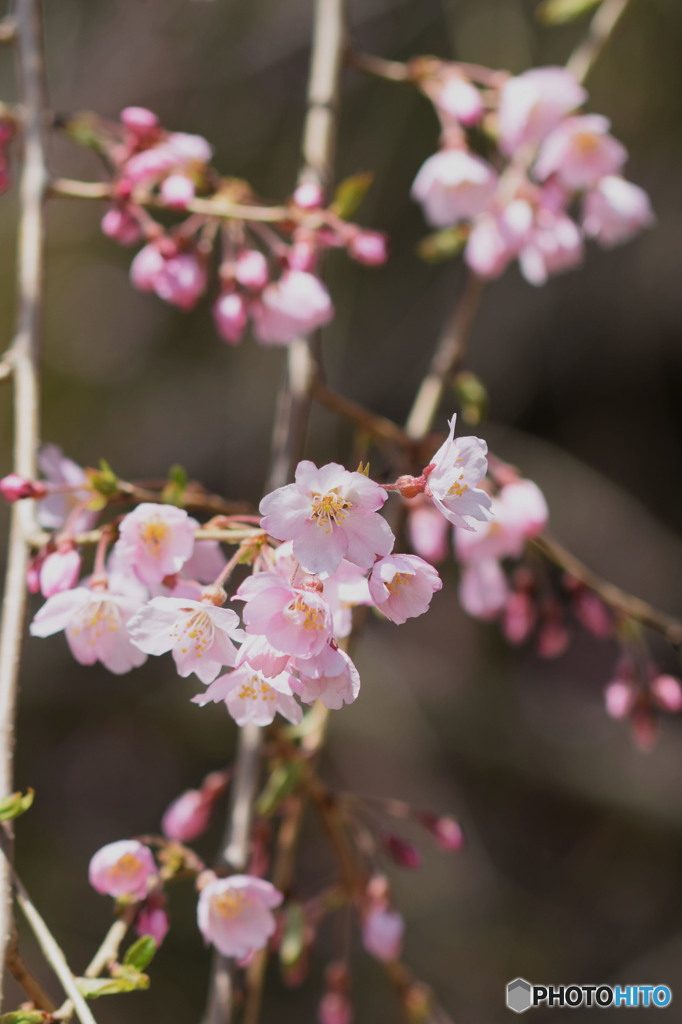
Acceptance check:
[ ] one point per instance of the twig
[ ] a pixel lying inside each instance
(391, 70)
(21, 974)
(107, 952)
(24, 359)
(447, 359)
(583, 59)
(379, 427)
(47, 942)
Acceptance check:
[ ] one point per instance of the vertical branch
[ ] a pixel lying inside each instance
(22, 358)
(583, 59)
(289, 432)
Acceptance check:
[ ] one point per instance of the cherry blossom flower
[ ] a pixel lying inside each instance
(534, 103)
(483, 588)
(187, 817)
(580, 152)
(252, 271)
(153, 920)
(331, 677)
(252, 697)
(402, 586)
(231, 314)
(553, 246)
(330, 514)
(177, 191)
(57, 506)
(119, 224)
(124, 868)
(181, 280)
(453, 185)
(616, 210)
(200, 635)
(294, 621)
(95, 621)
(156, 540)
(520, 512)
(427, 529)
(382, 934)
(453, 477)
(60, 570)
(235, 914)
(457, 98)
(290, 308)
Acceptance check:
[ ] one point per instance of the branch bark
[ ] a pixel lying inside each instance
(23, 360)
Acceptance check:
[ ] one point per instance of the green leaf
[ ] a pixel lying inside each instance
(105, 482)
(293, 942)
(472, 396)
(15, 804)
(174, 491)
(442, 245)
(93, 988)
(350, 193)
(559, 12)
(141, 953)
(282, 782)
(86, 129)
(25, 1017)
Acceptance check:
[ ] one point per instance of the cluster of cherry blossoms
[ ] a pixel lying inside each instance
(321, 548)
(265, 276)
(552, 177)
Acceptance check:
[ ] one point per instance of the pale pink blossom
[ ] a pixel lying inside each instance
(188, 816)
(206, 562)
(615, 210)
(235, 914)
(455, 472)
(181, 280)
(146, 267)
(60, 570)
(553, 246)
(309, 196)
(124, 868)
(156, 541)
(580, 152)
(119, 224)
(231, 314)
(177, 191)
(148, 166)
(667, 692)
(331, 677)
(402, 586)
(382, 934)
(200, 635)
(343, 591)
(534, 103)
(487, 251)
(252, 697)
(453, 185)
(56, 507)
(139, 120)
(330, 514)
(188, 149)
(483, 588)
(153, 920)
(427, 529)
(369, 248)
(95, 622)
(457, 98)
(252, 270)
(519, 513)
(295, 621)
(619, 698)
(290, 308)
(262, 656)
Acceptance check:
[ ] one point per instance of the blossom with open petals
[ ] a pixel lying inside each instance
(580, 152)
(455, 472)
(402, 586)
(331, 677)
(453, 185)
(294, 620)
(252, 697)
(156, 541)
(124, 868)
(330, 514)
(615, 210)
(235, 914)
(290, 308)
(200, 635)
(534, 104)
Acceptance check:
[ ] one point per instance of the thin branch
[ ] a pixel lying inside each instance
(107, 952)
(24, 359)
(21, 974)
(447, 359)
(390, 70)
(583, 59)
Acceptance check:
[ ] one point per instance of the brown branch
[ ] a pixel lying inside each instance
(21, 974)
(583, 59)
(23, 356)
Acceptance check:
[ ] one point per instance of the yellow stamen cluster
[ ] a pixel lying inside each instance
(329, 509)
(96, 618)
(230, 904)
(398, 581)
(313, 617)
(152, 534)
(458, 488)
(197, 632)
(256, 688)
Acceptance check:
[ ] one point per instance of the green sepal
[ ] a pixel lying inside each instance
(174, 490)
(105, 483)
(350, 193)
(284, 779)
(473, 397)
(15, 804)
(293, 937)
(442, 245)
(25, 1017)
(560, 12)
(141, 953)
(86, 129)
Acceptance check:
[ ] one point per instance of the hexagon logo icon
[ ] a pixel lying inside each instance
(519, 995)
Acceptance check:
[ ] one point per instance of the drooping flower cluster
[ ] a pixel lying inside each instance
(558, 177)
(265, 276)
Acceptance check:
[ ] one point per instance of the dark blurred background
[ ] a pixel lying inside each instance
(572, 868)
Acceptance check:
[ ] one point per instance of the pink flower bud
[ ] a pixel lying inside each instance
(182, 280)
(148, 166)
(145, 268)
(188, 817)
(618, 698)
(519, 617)
(335, 1008)
(252, 270)
(592, 612)
(382, 934)
(177, 191)
(153, 920)
(446, 831)
(230, 314)
(290, 308)
(119, 223)
(15, 487)
(302, 256)
(369, 247)
(33, 573)
(60, 571)
(460, 99)
(309, 196)
(139, 120)
(644, 728)
(403, 853)
(667, 693)
(124, 868)
(553, 638)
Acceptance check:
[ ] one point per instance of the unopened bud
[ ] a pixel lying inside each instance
(411, 486)
(15, 487)
(230, 314)
(446, 831)
(188, 817)
(252, 270)
(667, 692)
(60, 570)
(403, 853)
(309, 196)
(213, 595)
(369, 248)
(177, 191)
